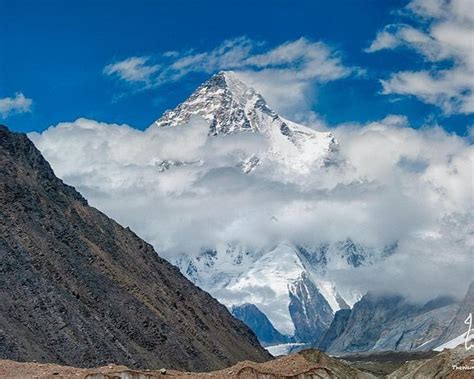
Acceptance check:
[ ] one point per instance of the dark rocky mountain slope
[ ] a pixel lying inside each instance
(77, 288)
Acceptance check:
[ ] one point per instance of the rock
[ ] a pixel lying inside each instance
(456, 363)
(388, 323)
(260, 324)
(64, 263)
(457, 325)
(309, 310)
(336, 328)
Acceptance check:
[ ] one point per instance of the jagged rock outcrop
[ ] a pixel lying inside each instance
(336, 328)
(457, 325)
(309, 310)
(77, 288)
(303, 298)
(232, 107)
(256, 320)
(388, 323)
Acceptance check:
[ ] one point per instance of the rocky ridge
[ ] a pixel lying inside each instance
(230, 106)
(389, 323)
(77, 288)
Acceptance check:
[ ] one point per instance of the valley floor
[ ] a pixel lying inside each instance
(302, 365)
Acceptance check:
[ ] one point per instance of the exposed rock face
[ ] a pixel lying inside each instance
(222, 99)
(304, 300)
(388, 323)
(419, 332)
(457, 325)
(336, 329)
(260, 324)
(309, 310)
(366, 323)
(77, 288)
(231, 107)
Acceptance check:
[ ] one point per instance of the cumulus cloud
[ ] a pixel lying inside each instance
(293, 67)
(429, 175)
(443, 34)
(184, 191)
(17, 104)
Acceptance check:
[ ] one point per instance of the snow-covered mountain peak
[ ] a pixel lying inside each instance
(225, 101)
(287, 282)
(241, 92)
(231, 106)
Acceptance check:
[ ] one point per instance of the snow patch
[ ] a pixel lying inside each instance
(285, 348)
(266, 285)
(455, 342)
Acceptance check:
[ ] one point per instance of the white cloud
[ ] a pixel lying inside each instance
(17, 104)
(448, 39)
(294, 67)
(134, 69)
(439, 263)
(449, 89)
(384, 40)
(286, 75)
(230, 54)
(401, 184)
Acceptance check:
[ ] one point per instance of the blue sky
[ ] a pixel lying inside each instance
(54, 53)
(392, 68)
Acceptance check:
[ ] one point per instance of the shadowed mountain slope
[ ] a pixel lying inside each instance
(77, 288)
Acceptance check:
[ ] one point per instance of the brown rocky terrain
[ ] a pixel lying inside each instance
(450, 363)
(307, 364)
(76, 288)
(382, 364)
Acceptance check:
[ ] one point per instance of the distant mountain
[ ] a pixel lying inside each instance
(260, 324)
(303, 301)
(389, 323)
(335, 330)
(309, 310)
(231, 107)
(286, 282)
(458, 326)
(76, 288)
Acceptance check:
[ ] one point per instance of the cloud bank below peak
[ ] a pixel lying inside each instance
(400, 184)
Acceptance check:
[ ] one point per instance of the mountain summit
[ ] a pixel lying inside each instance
(231, 106)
